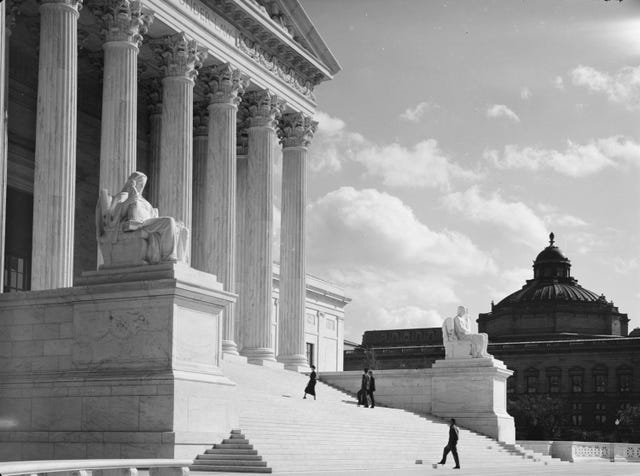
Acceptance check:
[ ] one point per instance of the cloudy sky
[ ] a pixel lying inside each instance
(457, 136)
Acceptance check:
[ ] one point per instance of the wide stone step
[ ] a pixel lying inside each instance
(229, 469)
(231, 446)
(235, 441)
(237, 457)
(256, 464)
(231, 451)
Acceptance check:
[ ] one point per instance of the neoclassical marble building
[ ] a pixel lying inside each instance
(202, 96)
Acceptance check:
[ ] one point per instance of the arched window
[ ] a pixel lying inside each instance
(600, 378)
(576, 376)
(553, 379)
(624, 375)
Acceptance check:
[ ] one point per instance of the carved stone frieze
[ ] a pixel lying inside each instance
(224, 84)
(262, 108)
(296, 130)
(180, 55)
(275, 66)
(122, 20)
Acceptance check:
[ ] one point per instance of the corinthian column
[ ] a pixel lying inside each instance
(181, 57)
(296, 133)
(154, 108)
(263, 108)
(124, 23)
(219, 225)
(201, 206)
(54, 186)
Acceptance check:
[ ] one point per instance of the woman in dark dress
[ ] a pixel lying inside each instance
(311, 386)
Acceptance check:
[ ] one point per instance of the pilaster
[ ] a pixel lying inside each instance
(263, 109)
(123, 25)
(296, 131)
(55, 154)
(181, 58)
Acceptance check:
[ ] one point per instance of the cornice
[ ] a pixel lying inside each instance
(258, 27)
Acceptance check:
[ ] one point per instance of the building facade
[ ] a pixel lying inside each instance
(569, 348)
(201, 96)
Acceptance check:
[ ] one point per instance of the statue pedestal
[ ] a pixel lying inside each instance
(126, 364)
(474, 392)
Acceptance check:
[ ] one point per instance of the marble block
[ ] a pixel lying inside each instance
(135, 365)
(474, 392)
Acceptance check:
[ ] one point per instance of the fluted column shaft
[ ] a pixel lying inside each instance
(3, 136)
(55, 156)
(182, 57)
(296, 132)
(201, 207)
(241, 239)
(155, 134)
(124, 25)
(264, 108)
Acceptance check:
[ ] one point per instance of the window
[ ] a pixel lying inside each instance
(600, 383)
(532, 384)
(310, 353)
(577, 383)
(16, 274)
(554, 383)
(576, 414)
(600, 414)
(624, 383)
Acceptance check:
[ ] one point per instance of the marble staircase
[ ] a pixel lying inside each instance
(293, 434)
(233, 455)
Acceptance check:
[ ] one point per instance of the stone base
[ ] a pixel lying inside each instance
(296, 363)
(473, 391)
(261, 356)
(125, 366)
(271, 364)
(236, 358)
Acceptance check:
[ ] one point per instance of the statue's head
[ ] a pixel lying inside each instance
(135, 182)
(461, 311)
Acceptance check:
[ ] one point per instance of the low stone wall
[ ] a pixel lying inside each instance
(584, 451)
(473, 391)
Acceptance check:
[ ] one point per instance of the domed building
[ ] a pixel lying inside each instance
(552, 306)
(561, 340)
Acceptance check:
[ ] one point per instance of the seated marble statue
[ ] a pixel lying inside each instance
(459, 341)
(130, 232)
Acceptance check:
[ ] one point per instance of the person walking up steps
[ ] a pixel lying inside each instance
(372, 388)
(311, 386)
(364, 388)
(452, 445)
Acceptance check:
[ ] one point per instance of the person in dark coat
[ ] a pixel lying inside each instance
(311, 386)
(364, 388)
(452, 445)
(371, 389)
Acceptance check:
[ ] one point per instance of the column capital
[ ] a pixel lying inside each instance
(122, 20)
(296, 129)
(14, 9)
(224, 83)
(180, 56)
(263, 108)
(200, 119)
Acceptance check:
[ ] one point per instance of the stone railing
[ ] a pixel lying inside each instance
(577, 451)
(97, 467)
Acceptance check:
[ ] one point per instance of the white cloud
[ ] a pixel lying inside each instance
(416, 113)
(525, 93)
(621, 87)
(423, 165)
(500, 110)
(331, 144)
(575, 161)
(399, 272)
(516, 217)
(508, 281)
(558, 82)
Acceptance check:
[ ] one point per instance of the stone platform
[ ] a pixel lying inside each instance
(126, 364)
